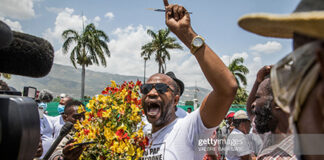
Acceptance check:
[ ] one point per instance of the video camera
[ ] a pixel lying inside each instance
(25, 55)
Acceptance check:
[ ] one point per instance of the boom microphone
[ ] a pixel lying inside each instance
(6, 35)
(64, 131)
(27, 55)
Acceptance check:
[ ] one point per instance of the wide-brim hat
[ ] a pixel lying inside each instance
(241, 115)
(307, 19)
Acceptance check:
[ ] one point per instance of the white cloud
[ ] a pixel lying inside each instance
(109, 15)
(125, 58)
(14, 25)
(228, 59)
(54, 10)
(125, 52)
(124, 49)
(18, 9)
(254, 65)
(96, 20)
(269, 47)
(64, 20)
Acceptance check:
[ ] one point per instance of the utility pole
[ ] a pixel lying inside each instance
(145, 59)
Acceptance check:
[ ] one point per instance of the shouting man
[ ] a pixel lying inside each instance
(174, 138)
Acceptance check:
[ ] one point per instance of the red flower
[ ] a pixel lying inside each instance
(122, 135)
(86, 131)
(138, 83)
(146, 141)
(99, 113)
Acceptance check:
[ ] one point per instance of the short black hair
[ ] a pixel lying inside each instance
(72, 103)
(45, 96)
(237, 122)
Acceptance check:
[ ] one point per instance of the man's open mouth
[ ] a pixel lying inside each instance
(153, 109)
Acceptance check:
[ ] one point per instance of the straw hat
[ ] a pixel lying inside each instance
(307, 19)
(241, 115)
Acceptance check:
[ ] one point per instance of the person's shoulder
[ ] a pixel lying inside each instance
(181, 113)
(49, 117)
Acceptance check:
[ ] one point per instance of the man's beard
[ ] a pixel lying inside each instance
(263, 117)
(165, 116)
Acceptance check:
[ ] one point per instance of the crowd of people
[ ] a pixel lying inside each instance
(285, 105)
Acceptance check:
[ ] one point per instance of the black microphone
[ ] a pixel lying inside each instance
(64, 131)
(27, 55)
(6, 35)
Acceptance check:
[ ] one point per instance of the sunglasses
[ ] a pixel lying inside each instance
(161, 88)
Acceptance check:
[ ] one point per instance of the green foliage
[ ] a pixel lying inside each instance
(90, 47)
(189, 103)
(239, 70)
(241, 96)
(56, 99)
(160, 45)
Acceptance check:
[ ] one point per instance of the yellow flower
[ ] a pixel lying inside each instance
(107, 113)
(113, 84)
(110, 113)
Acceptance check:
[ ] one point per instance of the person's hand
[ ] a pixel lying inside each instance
(39, 151)
(70, 152)
(263, 72)
(178, 20)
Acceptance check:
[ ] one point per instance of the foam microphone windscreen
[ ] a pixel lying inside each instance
(5, 35)
(27, 55)
(66, 128)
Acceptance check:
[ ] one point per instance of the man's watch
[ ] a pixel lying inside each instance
(196, 43)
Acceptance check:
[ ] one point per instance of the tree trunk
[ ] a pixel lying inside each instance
(159, 67)
(82, 82)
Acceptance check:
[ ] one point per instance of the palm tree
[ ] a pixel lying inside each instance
(239, 70)
(160, 45)
(90, 47)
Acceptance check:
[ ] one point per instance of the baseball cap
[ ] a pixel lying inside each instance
(230, 115)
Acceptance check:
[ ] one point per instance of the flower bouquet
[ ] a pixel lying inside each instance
(114, 123)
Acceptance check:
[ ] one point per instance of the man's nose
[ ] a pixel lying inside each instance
(253, 108)
(153, 93)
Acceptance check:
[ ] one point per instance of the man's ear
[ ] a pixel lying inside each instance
(176, 99)
(64, 116)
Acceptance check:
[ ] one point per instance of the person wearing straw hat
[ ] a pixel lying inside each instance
(237, 143)
(298, 79)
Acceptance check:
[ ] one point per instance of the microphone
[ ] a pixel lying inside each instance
(6, 35)
(64, 131)
(27, 55)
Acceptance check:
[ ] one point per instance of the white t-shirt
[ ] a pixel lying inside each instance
(237, 145)
(179, 140)
(58, 122)
(181, 113)
(47, 131)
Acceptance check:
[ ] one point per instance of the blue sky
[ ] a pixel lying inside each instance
(126, 22)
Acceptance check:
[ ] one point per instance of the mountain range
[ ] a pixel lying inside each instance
(66, 79)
